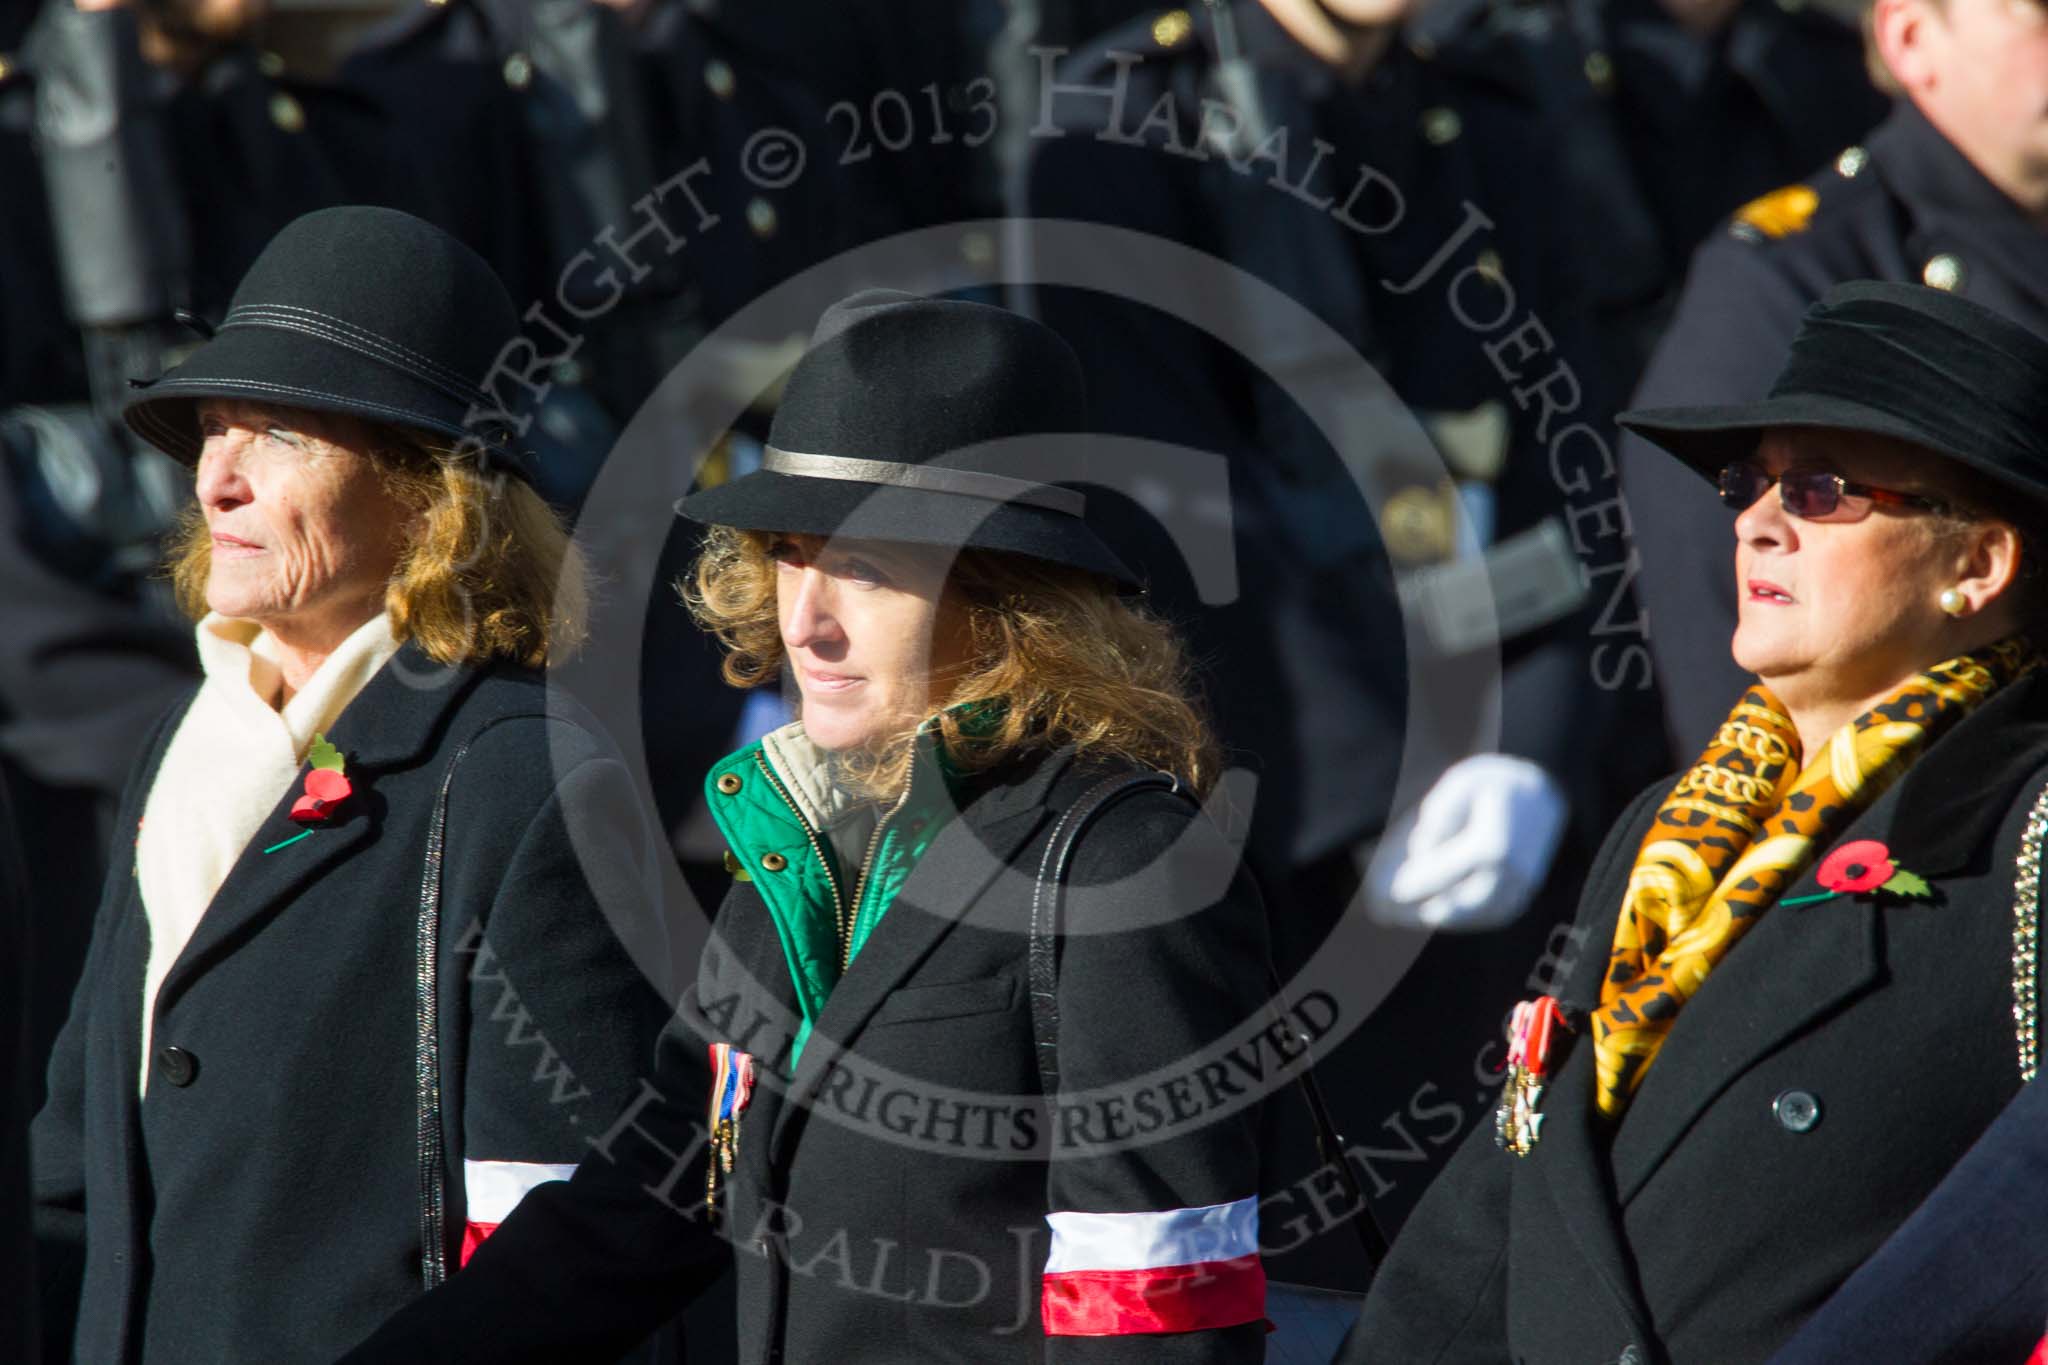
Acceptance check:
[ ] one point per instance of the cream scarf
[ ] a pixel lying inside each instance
(233, 758)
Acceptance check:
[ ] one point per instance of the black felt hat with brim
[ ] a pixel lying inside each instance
(367, 312)
(1899, 360)
(916, 420)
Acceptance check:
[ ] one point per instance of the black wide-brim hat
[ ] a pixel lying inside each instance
(913, 419)
(368, 312)
(1899, 360)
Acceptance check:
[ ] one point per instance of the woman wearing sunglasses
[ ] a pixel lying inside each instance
(1804, 980)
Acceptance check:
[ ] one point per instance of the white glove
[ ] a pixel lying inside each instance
(1474, 853)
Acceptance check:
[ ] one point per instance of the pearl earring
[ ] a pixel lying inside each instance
(1953, 602)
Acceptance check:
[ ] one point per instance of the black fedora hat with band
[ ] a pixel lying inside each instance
(368, 312)
(912, 419)
(1899, 360)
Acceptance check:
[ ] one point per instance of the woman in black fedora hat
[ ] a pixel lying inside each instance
(364, 968)
(1805, 979)
(963, 1002)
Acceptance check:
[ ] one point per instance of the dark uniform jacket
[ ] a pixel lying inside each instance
(17, 1239)
(1322, 519)
(1663, 132)
(1826, 1076)
(891, 1201)
(262, 1202)
(40, 359)
(1904, 206)
(1710, 122)
(1326, 676)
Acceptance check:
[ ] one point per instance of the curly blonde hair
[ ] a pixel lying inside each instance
(491, 573)
(1069, 661)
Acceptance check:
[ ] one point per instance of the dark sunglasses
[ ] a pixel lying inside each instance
(1813, 494)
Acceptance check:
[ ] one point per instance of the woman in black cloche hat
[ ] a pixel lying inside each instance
(1806, 972)
(952, 1115)
(369, 884)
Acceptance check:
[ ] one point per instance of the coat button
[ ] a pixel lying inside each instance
(729, 783)
(1944, 272)
(774, 862)
(176, 1065)
(1797, 1110)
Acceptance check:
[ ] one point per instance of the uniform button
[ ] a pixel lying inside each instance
(519, 71)
(1600, 71)
(1797, 1110)
(761, 218)
(286, 113)
(1441, 126)
(729, 783)
(270, 64)
(176, 1065)
(719, 80)
(6, 66)
(1851, 162)
(1171, 29)
(1944, 272)
(774, 862)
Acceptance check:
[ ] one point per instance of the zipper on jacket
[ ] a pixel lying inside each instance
(817, 849)
(867, 864)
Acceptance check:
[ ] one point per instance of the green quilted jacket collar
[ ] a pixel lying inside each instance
(776, 804)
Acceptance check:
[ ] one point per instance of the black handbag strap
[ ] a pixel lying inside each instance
(1047, 900)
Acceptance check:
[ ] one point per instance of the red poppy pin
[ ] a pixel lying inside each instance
(326, 784)
(1864, 866)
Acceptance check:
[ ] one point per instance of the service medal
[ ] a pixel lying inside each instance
(732, 1086)
(1518, 1122)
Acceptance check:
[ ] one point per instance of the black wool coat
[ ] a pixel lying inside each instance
(1965, 1279)
(1833, 1067)
(262, 1202)
(889, 1201)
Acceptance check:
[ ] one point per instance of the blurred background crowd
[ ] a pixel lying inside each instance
(1495, 204)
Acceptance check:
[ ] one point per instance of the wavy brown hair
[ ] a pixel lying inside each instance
(1070, 661)
(491, 572)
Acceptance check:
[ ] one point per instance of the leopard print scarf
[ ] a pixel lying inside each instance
(1739, 828)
